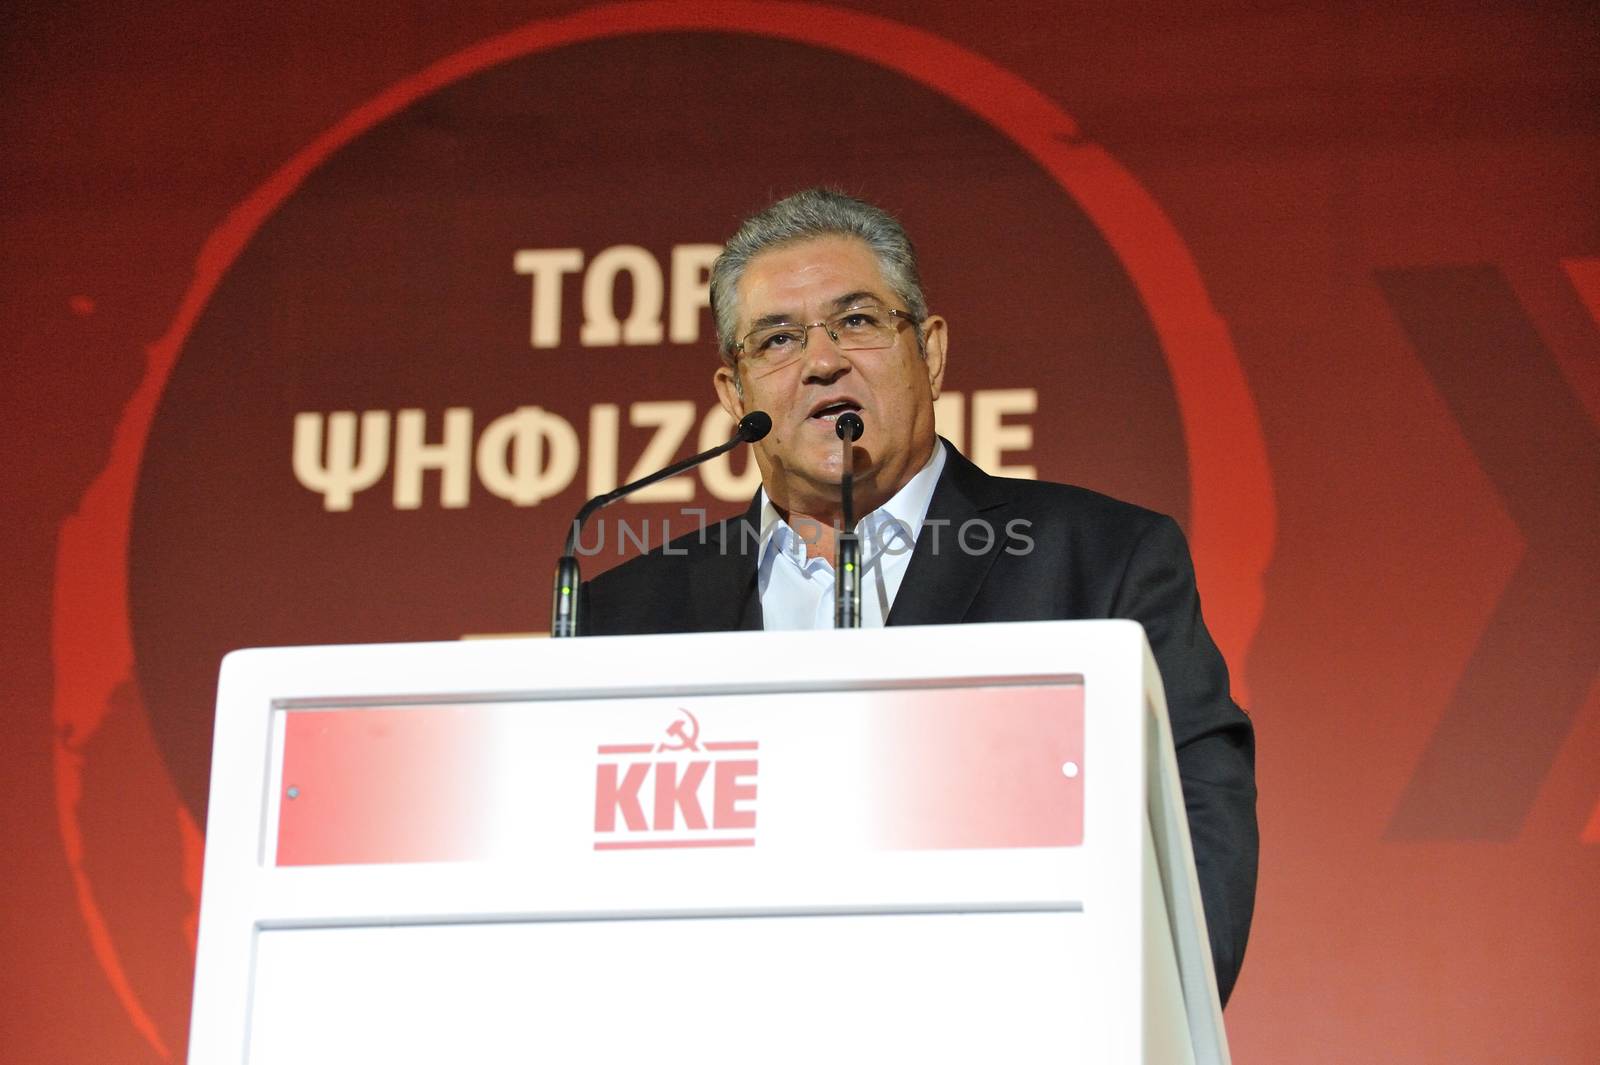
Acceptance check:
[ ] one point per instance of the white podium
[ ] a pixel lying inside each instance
(941, 844)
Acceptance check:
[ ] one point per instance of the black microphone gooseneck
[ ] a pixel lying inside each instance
(564, 596)
(847, 549)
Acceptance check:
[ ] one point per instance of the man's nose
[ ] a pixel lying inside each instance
(823, 359)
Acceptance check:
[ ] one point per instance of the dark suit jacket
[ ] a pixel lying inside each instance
(1090, 557)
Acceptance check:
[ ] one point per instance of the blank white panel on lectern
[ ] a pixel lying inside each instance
(771, 989)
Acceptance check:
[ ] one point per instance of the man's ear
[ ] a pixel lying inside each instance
(726, 382)
(935, 343)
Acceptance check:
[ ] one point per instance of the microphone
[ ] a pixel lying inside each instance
(847, 548)
(564, 595)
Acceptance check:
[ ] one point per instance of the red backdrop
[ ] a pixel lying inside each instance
(1324, 283)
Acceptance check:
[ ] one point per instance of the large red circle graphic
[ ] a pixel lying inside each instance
(1231, 515)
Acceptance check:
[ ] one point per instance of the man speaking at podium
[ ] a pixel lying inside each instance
(819, 311)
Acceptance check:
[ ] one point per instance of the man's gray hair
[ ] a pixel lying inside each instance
(806, 215)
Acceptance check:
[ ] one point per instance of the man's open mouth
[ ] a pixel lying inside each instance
(830, 411)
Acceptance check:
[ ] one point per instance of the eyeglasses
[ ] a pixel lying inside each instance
(862, 327)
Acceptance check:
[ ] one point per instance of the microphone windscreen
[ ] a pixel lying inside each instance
(849, 426)
(754, 426)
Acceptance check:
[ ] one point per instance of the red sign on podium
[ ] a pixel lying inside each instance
(933, 768)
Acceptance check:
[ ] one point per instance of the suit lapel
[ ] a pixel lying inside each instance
(722, 596)
(943, 578)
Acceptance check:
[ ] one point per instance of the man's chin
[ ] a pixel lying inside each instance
(820, 489)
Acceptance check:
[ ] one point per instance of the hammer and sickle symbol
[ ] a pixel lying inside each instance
(686, 730)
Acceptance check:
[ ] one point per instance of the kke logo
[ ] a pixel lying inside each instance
(676, 792)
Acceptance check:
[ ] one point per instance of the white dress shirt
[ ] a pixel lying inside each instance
(797, 592)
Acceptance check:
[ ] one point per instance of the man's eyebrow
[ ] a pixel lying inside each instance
(779, 318)
(839, 303)
(855, 297)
